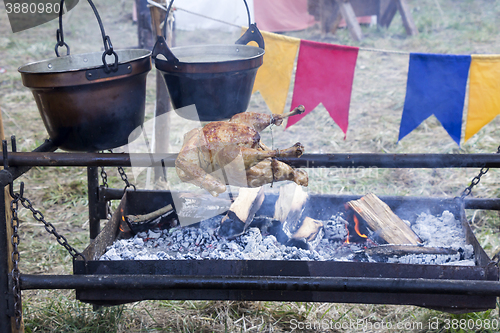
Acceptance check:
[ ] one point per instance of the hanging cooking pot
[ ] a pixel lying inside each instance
(86, 103)
(218, 79)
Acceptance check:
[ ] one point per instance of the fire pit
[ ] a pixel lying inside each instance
(352, 261)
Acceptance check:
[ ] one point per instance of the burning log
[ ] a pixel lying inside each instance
(195, 207)
(242, 212)
(150, 216)
(162, 218)
(304, 233)
(289, 206)
(310, 232)
(382, 220)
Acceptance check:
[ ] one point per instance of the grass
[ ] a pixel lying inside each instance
(445, 26)
(60, 314)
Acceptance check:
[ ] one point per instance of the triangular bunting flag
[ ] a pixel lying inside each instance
(484, 92)
(325, 73)
(436, 86)
(274, 76)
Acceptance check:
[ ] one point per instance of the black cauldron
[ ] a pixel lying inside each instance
(87, 104)
(217, 79)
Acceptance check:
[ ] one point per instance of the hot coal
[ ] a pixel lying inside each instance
(263, 241)
(443, 231)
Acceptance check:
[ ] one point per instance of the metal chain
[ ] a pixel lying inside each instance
(104, 177)
(476, 180)
(124, 177)
(16, 289)
(37, 215)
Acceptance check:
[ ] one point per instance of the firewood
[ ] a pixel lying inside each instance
(242, 211)
(290, 204)
(311, 231)
(194, 207)
(150, 216)
(289, 207)
(402, 250)
(381, 219)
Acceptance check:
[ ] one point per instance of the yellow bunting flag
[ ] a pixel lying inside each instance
(484, 92)
(274, 76)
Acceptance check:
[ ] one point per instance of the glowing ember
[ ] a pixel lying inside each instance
(257, 243)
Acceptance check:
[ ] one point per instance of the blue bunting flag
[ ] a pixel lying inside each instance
(436, 86)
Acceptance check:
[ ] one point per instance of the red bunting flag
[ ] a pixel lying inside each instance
(325, 73)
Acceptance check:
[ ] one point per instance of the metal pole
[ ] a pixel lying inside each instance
(108, 194)
(305, 161)
(5, 292)
(283, 283)
(93, 189)
(395, 160)
(47, 146)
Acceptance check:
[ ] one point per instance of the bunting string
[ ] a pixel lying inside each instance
(437, 83)
(240, 27)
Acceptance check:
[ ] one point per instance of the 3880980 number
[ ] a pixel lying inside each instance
(32, 8)
(471, 324)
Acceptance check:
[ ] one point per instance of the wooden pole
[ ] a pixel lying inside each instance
(404, 10)
(350, 18)
(387, 11)
(145, 37)
(162, 115)
(8, 216)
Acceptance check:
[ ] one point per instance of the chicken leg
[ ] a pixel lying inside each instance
(272, 170)
(259, 121)
(253, 156)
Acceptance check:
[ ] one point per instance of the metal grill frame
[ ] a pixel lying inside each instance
(18, 163)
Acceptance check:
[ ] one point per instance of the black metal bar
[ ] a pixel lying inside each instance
(93, 189)
(18, 170)
(395, 160)
(480, 203)
(305, 161)
(87, 159)
(112, 193)
(470, 203)
(283, 283)
(5, 292)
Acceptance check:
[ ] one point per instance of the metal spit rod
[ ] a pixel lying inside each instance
(305, 161)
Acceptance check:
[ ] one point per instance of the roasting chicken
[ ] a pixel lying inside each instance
(231, 153)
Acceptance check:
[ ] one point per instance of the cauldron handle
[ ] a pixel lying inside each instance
(252, 34)
(161, 46)
(108, 47)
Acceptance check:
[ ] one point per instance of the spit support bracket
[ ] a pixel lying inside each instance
(468, 190)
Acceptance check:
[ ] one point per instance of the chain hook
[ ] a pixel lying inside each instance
(60, 43)
(108, 47)
(19, 195)
(468, 190)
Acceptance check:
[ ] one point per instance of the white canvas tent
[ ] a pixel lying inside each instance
(231, 11)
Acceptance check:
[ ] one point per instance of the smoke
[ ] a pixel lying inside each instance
(231, 174)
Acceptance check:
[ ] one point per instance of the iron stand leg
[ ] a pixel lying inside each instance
(93, 189)
(5, 292)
